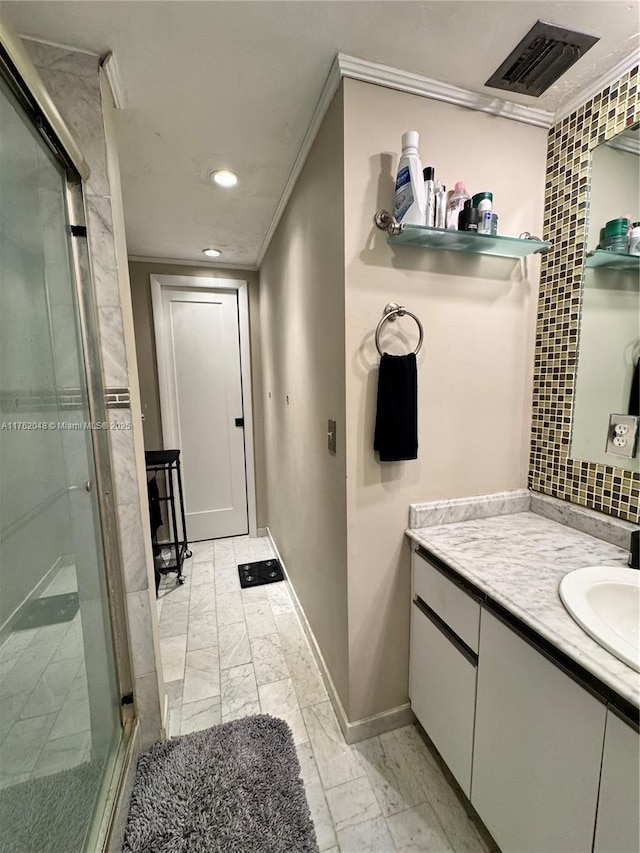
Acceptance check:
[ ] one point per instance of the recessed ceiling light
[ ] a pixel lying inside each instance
(212, 253)
(224, 178)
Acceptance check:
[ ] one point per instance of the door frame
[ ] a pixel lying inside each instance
(191, 282)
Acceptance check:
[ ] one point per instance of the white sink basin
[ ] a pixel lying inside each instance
(605, 601)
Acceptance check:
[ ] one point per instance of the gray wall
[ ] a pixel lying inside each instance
(303, 358)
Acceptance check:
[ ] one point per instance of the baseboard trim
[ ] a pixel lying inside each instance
(352, 731)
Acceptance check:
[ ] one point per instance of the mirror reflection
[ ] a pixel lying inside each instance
(605, 415)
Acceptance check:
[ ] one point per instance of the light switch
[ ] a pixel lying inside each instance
(331, 436)
(622, 437)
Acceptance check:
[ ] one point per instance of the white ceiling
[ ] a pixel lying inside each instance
(234, 85)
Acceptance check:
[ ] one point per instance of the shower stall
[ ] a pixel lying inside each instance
(63, 659)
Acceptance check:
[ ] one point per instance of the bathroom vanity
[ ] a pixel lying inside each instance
(537, 722)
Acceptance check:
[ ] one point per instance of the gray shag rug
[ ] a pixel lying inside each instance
(233, 788)
(49, 814)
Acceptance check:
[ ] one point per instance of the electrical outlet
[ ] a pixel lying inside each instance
(622, 437)
(331, 436)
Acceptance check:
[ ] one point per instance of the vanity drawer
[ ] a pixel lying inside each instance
(442, 689)
(452, 604)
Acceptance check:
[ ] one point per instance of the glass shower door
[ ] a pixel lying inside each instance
(60, 723)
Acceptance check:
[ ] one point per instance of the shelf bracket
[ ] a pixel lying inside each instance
(387, 222)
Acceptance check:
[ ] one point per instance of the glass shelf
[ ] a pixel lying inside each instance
(612, 260)
(465, 241)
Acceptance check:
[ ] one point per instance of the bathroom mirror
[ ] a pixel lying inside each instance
(609, 335)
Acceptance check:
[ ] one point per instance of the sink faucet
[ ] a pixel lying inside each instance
(634, 550)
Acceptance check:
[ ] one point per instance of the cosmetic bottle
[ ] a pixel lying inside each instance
(430, 196)
(468, 217)
(456, 204)
(409, 201)
(441, 205)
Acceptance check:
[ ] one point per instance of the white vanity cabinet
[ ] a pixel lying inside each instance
(443, 664)
(618, 822)
(537, 748)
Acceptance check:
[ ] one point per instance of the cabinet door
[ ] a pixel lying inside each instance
(618, 823)
(537, 748)
(442, 687)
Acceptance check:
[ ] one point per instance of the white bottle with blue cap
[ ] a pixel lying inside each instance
(409, 205)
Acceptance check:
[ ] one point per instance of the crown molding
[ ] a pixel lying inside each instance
(181, 262)
(328, 91)
(426, 87)
(606, 79)
(403, 81)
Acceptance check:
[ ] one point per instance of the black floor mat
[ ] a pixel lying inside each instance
(48, 610)
(260, 572)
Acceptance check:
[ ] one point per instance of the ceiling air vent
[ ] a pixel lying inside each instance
(543, 55)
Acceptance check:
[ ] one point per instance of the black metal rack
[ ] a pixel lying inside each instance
(167, 463)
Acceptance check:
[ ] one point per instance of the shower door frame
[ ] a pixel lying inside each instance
(25, 85)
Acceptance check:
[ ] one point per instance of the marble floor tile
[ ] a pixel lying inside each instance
(254, 593)
(202, 631)
(259, 618)
(202, 551)
(371, 836)
(280, 600)
(239, 692)
(278, 698)
(229, 608)
(320, 815)
(174, 619)
(22, 678)
(227, 580)
(173, 651)
(268, 659)
(418, 829)
(306, 678)
(458, 826)
(10, 708)
(223, 549)
(352, 802)
(72, 645)
(74, 716)
(234, 645)
(200, 715)
(396, 787)
(291, 633)
(50, 692)
(21, 748)
(337, 762)
(202, 675)
(202, 574)
(203, 599)
(63, 753)
(15, 643)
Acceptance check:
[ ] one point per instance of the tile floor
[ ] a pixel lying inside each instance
(229, 652)
(44, 698)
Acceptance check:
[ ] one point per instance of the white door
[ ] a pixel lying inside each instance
(201, 402)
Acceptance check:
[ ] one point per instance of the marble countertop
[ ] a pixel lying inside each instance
(519, 560)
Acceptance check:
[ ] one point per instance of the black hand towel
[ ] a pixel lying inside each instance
(396, 434)
(634, 396)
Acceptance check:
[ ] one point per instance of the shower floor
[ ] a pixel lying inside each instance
(44, 698)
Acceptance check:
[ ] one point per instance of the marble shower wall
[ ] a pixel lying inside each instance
(73, 81)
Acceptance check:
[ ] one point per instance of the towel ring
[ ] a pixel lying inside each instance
(391, 312)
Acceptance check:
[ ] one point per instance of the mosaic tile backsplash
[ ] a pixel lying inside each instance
(602, 487)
